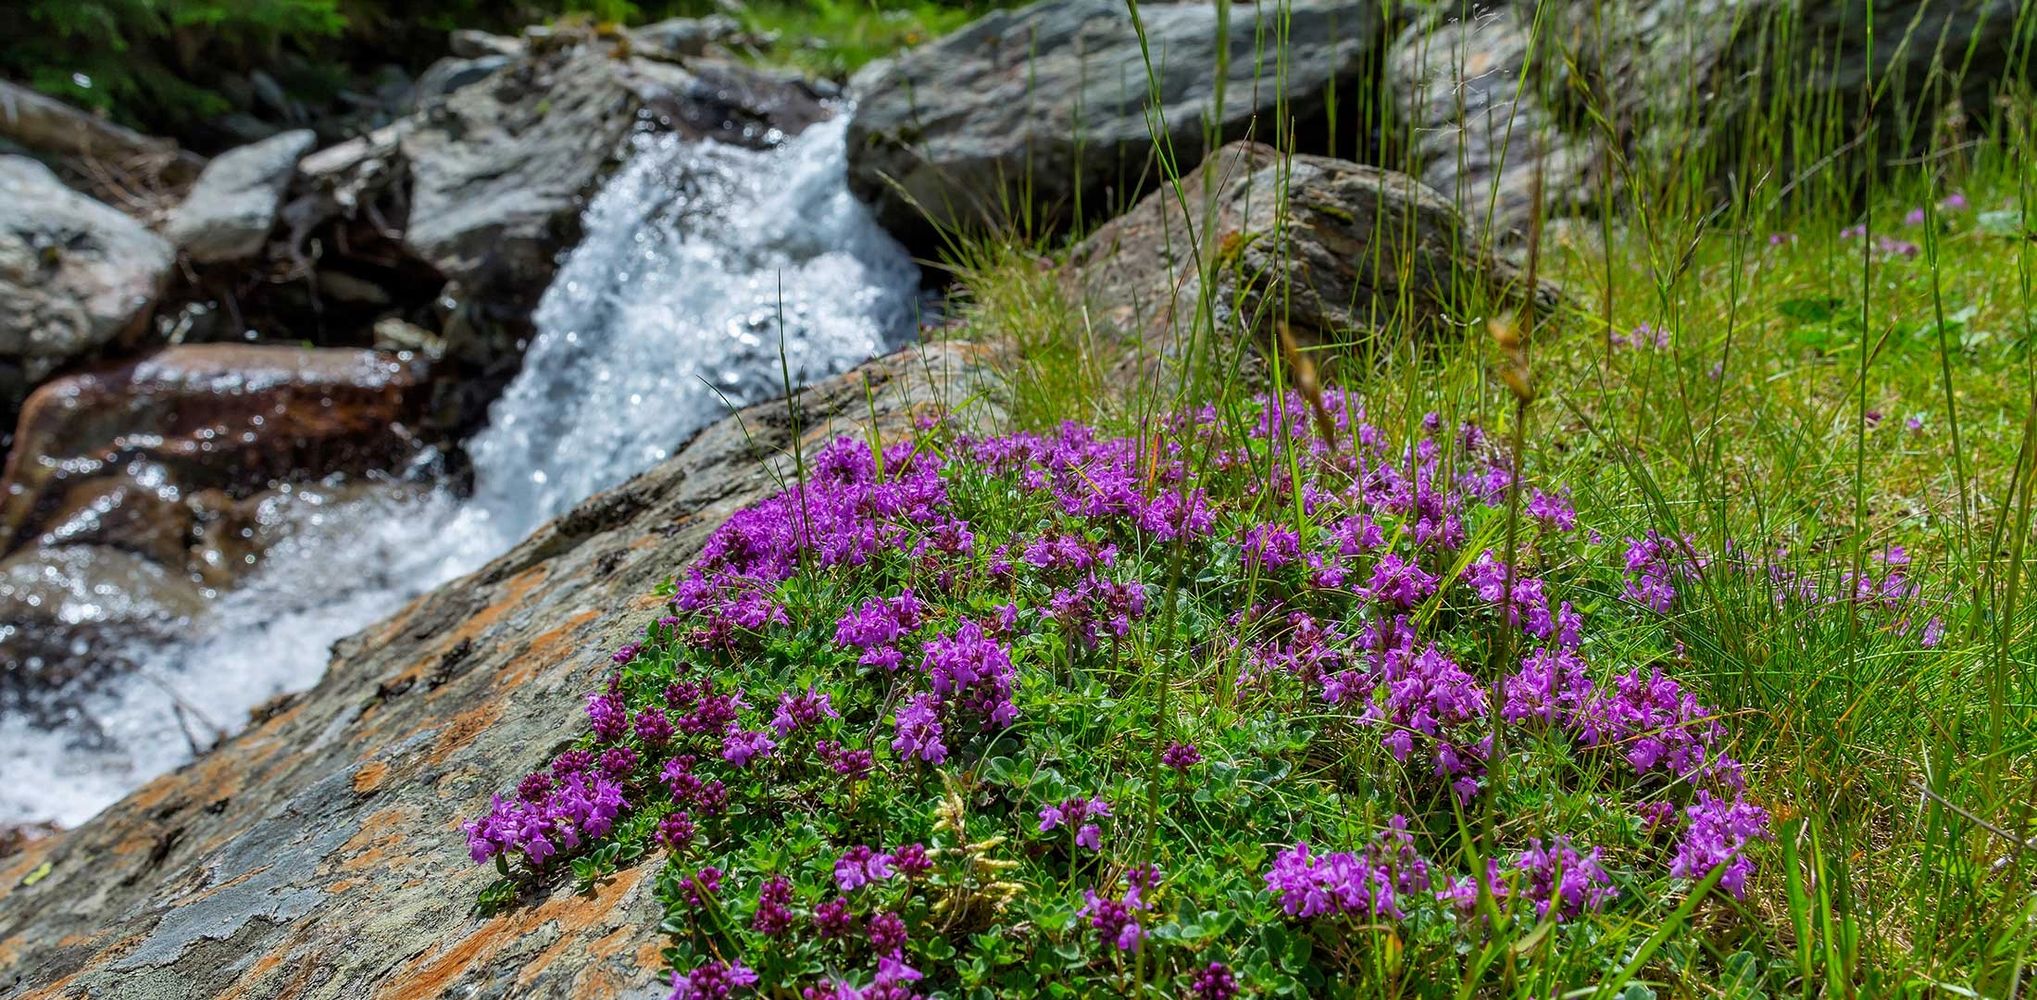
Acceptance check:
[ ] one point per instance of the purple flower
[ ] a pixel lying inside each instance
(860, 866)
(1399, 581)
(1717, 835)
(912, 861)
(653, 727)
(919, 731)
(712, 981)
(774, 910)
(534, 786)
(1308, 886)
(703, 886)
(887, 933)
(799, 710)
(972, 671)
(833, 919)
(1562, 879)
(1934, 633)
(1116, 918)
(675, 831)
(1552, 510)
(1076, 812)
(851, 764)
(1269, 546)
(741, 746)
(1181, 756)
(1648, 571)
(1214, 982)
(618, 762)
(607, 716)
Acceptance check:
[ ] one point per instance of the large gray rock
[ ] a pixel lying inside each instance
(229, 212)
(318, 854)
(74, 276)
(1599, 93)
(1328, 250)
(1040, 115)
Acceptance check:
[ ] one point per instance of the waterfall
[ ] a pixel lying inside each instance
(698, 262)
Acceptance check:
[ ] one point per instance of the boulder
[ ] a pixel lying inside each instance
(1334, 250)
(135, 492)
(1040, 114)
(230, 210)
(318, 854)
(1599, 90)
(99, 455)
(75, 275)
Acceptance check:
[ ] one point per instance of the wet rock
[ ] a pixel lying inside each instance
(1334, 251)
(230, 210)
(499, 173)
(16, 836)
(1041, 112)
(109, 457)
(459, 212)
(318, 854)
(75, 275)
(74, 614)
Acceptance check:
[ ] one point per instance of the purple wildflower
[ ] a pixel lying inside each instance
(1214, 982)
(860, 866)
(919, 731)
(1181, 756)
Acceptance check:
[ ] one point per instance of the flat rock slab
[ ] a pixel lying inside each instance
(318, 854)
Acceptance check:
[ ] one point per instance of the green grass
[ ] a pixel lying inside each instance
(1776, 419)
(834, 38)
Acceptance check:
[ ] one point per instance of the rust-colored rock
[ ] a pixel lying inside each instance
(319, 855)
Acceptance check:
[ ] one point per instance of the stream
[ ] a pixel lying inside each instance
(695, 256)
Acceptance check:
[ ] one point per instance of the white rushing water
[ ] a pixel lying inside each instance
(666, 314)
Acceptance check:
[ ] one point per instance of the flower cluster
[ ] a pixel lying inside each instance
(942, 643)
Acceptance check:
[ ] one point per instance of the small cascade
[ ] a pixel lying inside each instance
(700, 263)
